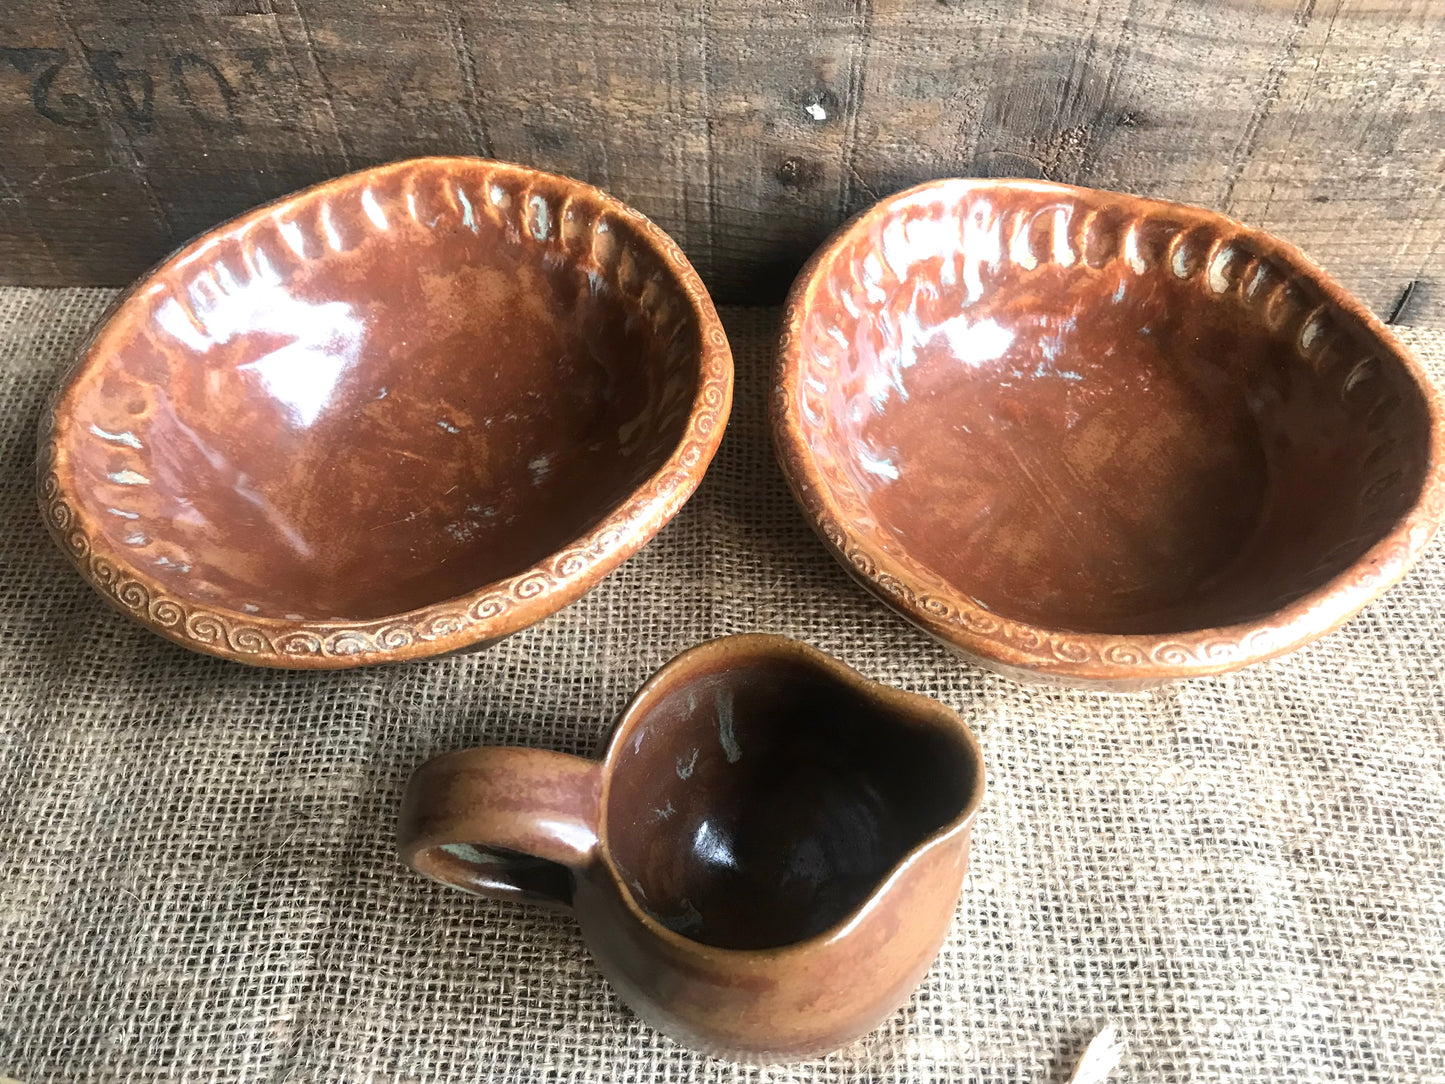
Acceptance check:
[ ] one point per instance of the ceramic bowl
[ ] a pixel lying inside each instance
(1091, 437)
(404, 412)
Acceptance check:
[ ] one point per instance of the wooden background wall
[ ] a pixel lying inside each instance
(747, 128)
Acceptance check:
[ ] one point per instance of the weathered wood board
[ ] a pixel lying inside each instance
(749, 129)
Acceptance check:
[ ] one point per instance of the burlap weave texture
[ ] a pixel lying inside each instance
(197, 876)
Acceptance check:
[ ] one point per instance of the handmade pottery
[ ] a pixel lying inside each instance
(1083, 436)
(764, 862)
(407, 411)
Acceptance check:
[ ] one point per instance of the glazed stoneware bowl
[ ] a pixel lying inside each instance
(405, 412)
(1084, 436)
(765, 860)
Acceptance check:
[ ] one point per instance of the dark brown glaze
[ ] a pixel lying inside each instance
(409, 410)
(764, 863)
(758, 803)
(1100, 438)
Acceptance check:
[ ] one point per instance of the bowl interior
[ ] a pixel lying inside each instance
(1091, 419)
(759, 803)
(382, 394)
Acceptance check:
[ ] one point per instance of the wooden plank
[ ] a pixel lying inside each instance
(748, 128)
(1322, 121)
(1350, 160)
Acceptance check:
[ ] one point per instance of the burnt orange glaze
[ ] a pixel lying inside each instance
(774, 847)
(403, 388)
(765, 862)
(1100, 437)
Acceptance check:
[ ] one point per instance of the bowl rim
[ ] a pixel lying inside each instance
(1107, 660)
(488, 613)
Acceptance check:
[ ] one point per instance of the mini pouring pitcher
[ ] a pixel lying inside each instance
(764, 863)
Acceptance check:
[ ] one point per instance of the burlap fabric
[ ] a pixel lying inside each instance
(197, 878)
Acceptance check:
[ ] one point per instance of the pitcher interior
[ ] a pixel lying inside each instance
(756, 805)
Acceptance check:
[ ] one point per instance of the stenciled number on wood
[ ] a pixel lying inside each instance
(131, 90)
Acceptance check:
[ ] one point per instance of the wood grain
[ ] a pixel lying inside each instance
(749, 130)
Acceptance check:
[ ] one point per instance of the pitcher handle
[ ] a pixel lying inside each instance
(505, 822)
